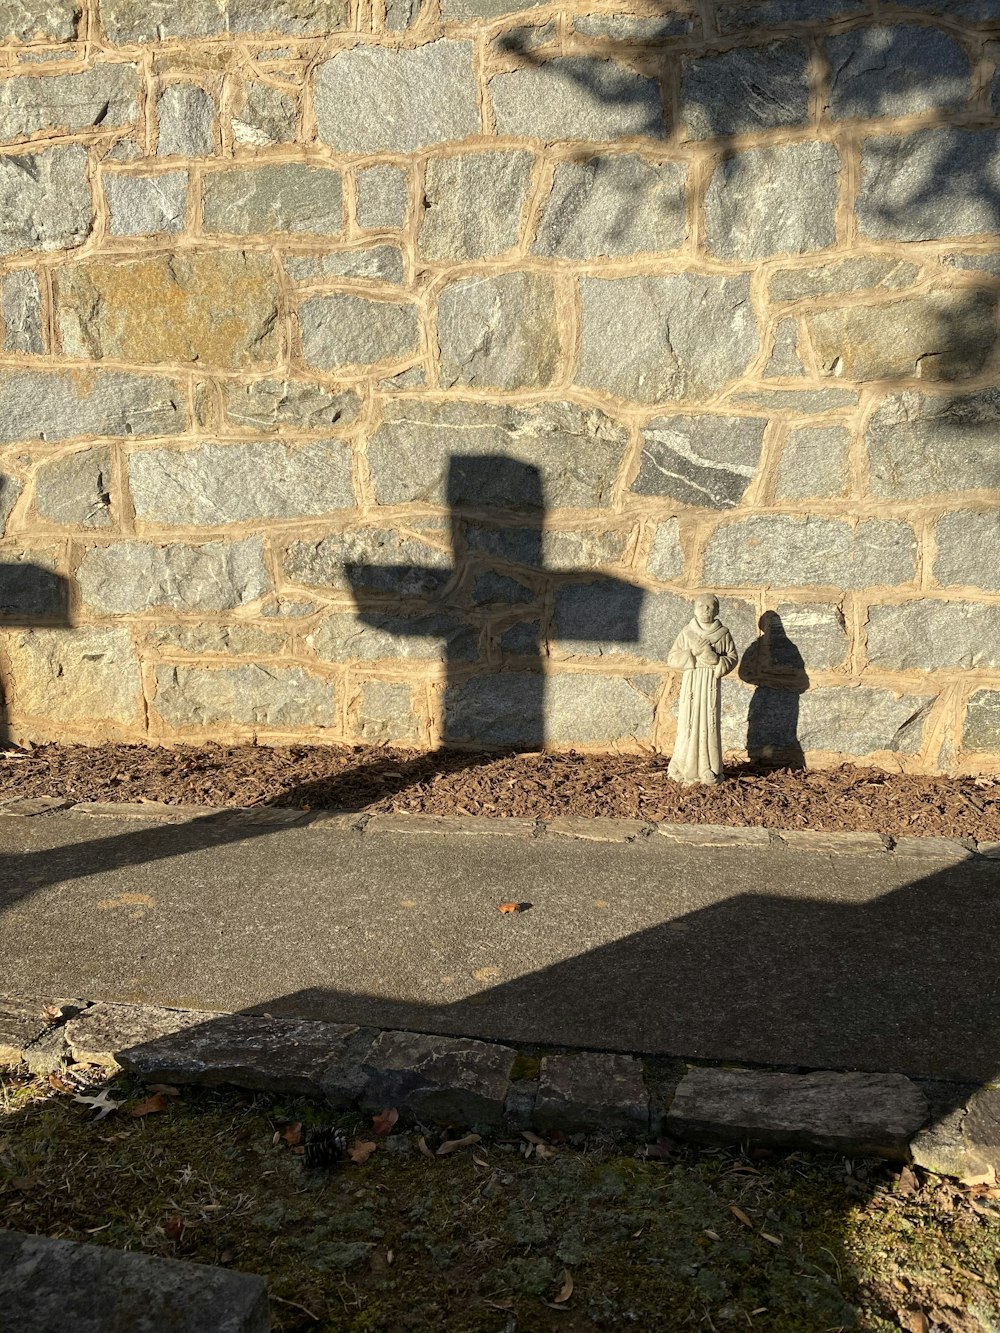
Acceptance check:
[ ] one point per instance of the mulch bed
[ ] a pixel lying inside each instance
(533, 785)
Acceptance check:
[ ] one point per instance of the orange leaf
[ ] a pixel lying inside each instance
(173, 1227)
(383, 1122)
(151, 1104)
(292, 1133)
(361, 1150)
(509, 907)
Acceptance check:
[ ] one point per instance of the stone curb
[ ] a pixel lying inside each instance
(591, 829)
(948, 1128)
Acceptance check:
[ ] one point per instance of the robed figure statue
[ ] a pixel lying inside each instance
(704, 652)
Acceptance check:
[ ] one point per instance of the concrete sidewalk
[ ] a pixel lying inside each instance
(764, 954)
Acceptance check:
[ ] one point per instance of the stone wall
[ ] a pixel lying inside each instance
(384, 370)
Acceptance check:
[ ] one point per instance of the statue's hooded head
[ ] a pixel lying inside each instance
(706, 609)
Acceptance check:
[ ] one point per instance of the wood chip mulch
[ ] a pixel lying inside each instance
(533, 785)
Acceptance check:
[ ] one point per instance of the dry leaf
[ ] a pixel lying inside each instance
(772, 1240)
(907, 1182)
(292, 1133)
(740, 1215)
(173, 1227)
(361, 1150)
(532, 1138)
(914, 1321)
(712, 1235)
(566, 1290)
(546, 1153)
(422, 1145)
(52, 1012)
(455, 1145)
(509, 907)
(164, 1089)
(480, 1161)
(383, 1122)
(103, 1103)
(507, 1304)
(60, 1084)
(149, 1106)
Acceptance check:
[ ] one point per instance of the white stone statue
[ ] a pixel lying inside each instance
(705, 652)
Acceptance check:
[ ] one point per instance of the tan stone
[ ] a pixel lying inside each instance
(85, 676)
(217, 308)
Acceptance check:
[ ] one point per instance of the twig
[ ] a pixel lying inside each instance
(281, 1301)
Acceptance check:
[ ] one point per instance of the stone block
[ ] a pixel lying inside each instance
(927, 635)
(346, 330)
(799, 401)
(27, 20)
(746, 89)
(384, 263)
(629, 28)
(67, 103)
(835, 843)
(219, 308)
(811, 635)
(373, 99)
(144, 205)
(859, 273)
(860, 720)
(896, 71)
(981, 731)
(894, 199)
(75, 489)
(53, 405)
(134, 576)
(431, 636)
(594, 828)
(493, 589)
(785, 359)
(656, 339)
(489, 455)
(715, 835)
(612, 618)
(385, 712)
(707, 461)
(235, 483)
(401, 14)
(472, 204)
(853, 1113)
(45, 201)
(576, 97)
(814, 462)
(617, 205)
(411, 562)
(791, 551)
(499, 332)
(29, 807)
(237, 640)
(764, 13)
(963, 1142)
(935, 849)
(10, 489)
(464, 10)
(944, 335)
(666, 558)
(21, 313)
(382, 196)
(104, 1030)
(32, 589)
(278, 698)
(967, 544)
(128, 21)
(919, 444)
(267, 116)
(85, 676)
(589, 1090)
(93, 1288)
(268, 405)
(186, 116)
(741, 222)
(451, 1080)
(287, 196)
(523, 709)
(559, 550)
(22, 1023)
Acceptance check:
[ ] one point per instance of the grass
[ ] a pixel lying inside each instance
(489, 1239)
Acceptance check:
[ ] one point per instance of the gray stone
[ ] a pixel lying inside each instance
(28, 807)
(133, 576)
(447, 1079)
(714, 835)
(808, 401)
(265, 405)
(75, 489)
(414, 378)
(576, 97)
(897, 71)
(278, 698)
(237, 640)
(814, 462)
(551, 550)
(472, 204)
(867, 1113)
(32, 588)
(784, 359)
(843, 275)
(520, 1104)
(382, 192)
(833, 843)
(525, 38)
(629, 28)
(963, 1141)
(929, 185)
(414, 562)
(746, 89)
(58, 405)
(435, 452)
(25, 20)
(385, 713)
(929, 635)
(463, 10)
(267, 116)
(666, 558)
(935, 849)
(156, 20)
(21, 313)
(287, 196)
(943, 335)
(734, 18)
(791, 551)
(343, 330)
(924, 445)
(381, 262)
(589, 1090)
(967, 545)
(45, 201)
(655, 339)
(186, 115)
(373, 99)
(617, 205)
(21, 1023)
(401, 14)
(603, 619)
(700, 460)
(141, 205)
(814, 635)
(493, 589)
(101, 1032)
(433, 636)
(523, 640)
(741, 220)
(234, 483)
(93, 1288)
(66, 103)
(87, 677)
(499, 332)
(989, 263)
(520, 708)
(10, 489)
(981, 731)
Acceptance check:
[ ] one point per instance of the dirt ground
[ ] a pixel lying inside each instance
(533, 785)
(502, 1234)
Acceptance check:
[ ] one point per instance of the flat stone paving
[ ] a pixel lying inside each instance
(759, 954)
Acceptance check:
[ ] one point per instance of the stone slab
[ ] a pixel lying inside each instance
(157, 812)
(445, 1079)
(935, 849)
(95, 1289)
(964, 1141)
(597, 829)
(591, 1090)
(27, 807)
(22, 1022)
(870, 1113)
(817, 840)
(519, 828)
(715, 835)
